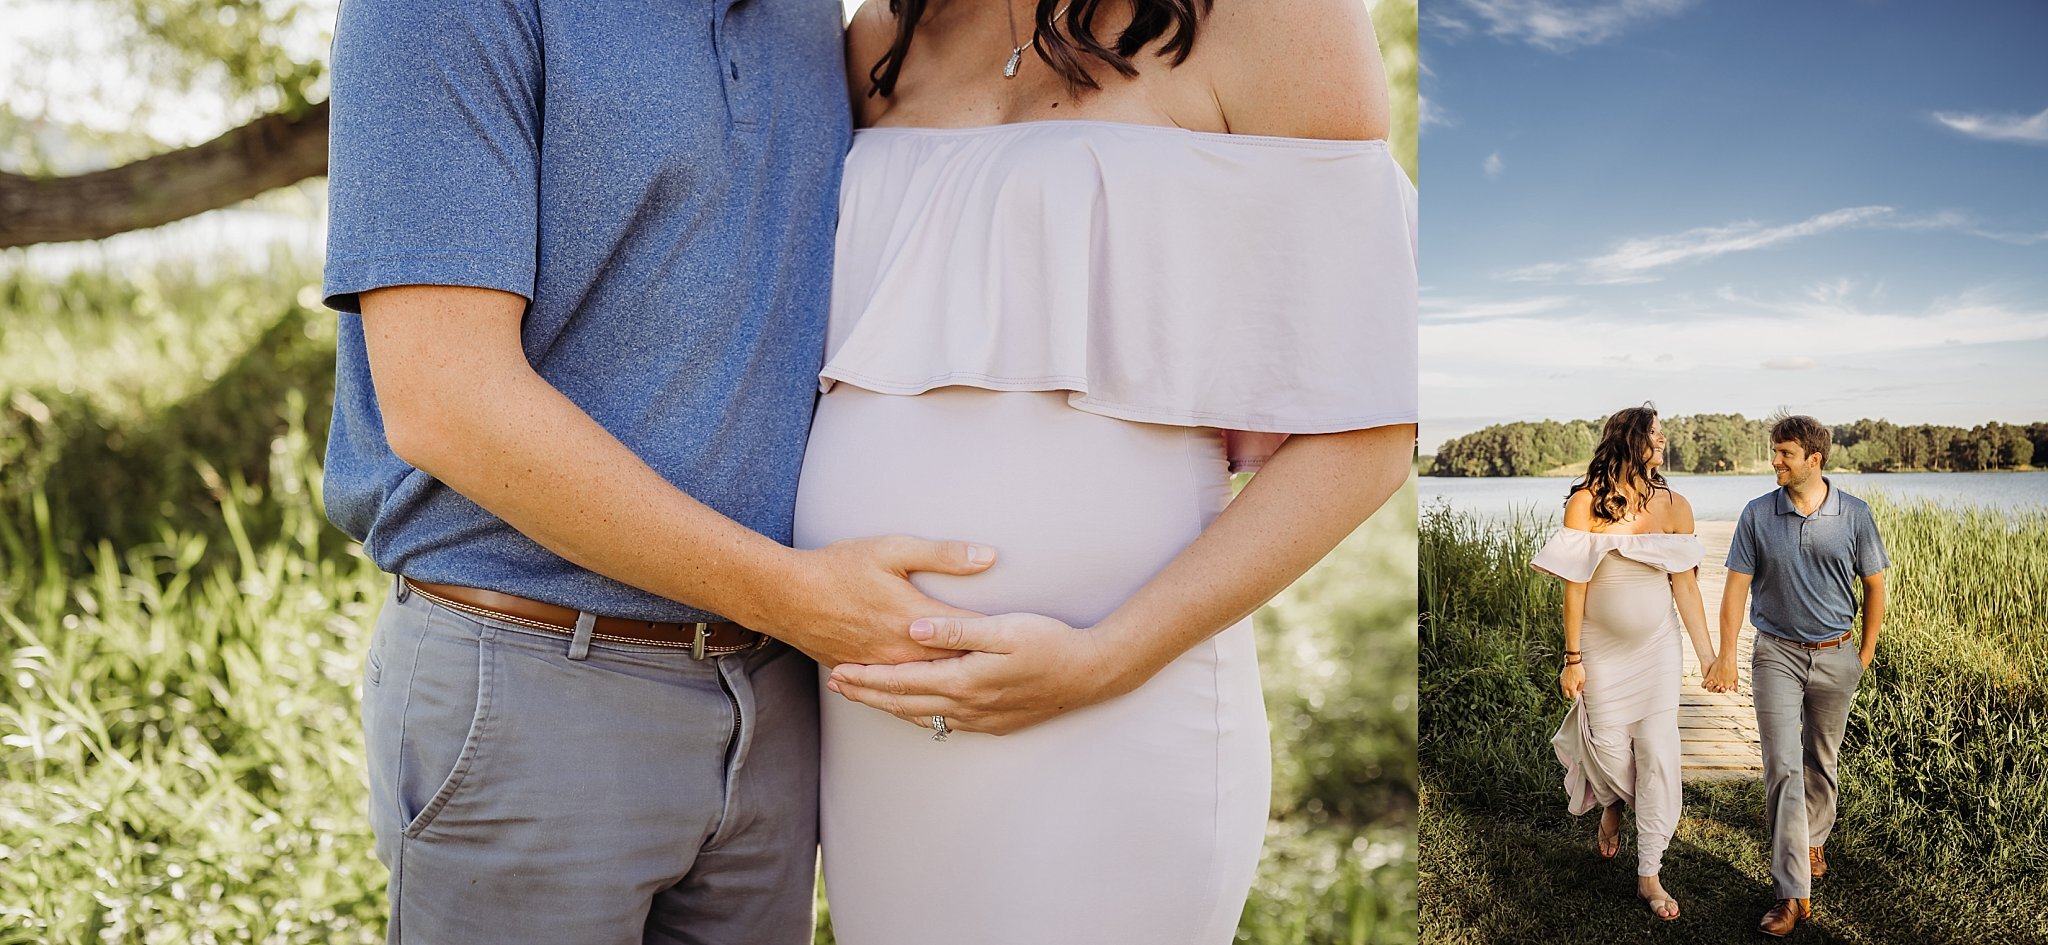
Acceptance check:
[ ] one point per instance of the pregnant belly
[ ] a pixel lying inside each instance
(1081, 509)
(1629, 604)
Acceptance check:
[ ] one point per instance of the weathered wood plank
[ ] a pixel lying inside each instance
(1718, 730)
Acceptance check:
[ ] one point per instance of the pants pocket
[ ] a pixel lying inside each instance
(433, 714)
(1853, 665)
(373, 662)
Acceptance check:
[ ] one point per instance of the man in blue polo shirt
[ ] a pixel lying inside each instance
(583, 254)
(1801, 550)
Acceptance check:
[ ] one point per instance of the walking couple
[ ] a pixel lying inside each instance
(1629, 559)
(602, 268)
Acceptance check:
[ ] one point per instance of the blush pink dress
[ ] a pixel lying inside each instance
(1059, 339)
(1620, 740)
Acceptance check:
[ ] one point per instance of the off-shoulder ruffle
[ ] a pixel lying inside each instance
(1251, 284)
(1573, 554)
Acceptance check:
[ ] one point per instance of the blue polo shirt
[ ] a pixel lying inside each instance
(1806, 567)
(658, 179)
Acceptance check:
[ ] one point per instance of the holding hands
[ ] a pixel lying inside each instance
(1720, 675)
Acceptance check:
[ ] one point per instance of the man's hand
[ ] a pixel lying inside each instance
(850, 600)
(1017, 670)
(1722, 675)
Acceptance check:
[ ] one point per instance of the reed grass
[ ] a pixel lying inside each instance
(1943, 830)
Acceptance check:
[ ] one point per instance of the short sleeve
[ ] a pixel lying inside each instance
(433, 155)
(1870, 553)
(1742, 547)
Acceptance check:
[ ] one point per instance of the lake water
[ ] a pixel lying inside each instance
(1721, 498)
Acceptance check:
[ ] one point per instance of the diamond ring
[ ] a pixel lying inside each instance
(939, 729)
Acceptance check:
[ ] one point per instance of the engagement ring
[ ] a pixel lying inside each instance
(939, 729)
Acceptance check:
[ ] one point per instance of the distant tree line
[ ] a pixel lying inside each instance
(1730, 442)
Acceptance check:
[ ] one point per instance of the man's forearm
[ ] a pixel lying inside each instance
(1733, 601)
(461, 403)
(530, 456)
(1873, 618)
(1312, 494)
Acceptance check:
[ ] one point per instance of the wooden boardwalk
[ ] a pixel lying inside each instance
(1718, 730)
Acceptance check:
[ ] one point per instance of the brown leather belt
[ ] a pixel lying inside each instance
(1824, 644)
(701, 639)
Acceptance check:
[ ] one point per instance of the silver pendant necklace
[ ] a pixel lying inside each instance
(1017, 48)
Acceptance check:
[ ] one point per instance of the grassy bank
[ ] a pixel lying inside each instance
(180, 757)
(1943, 835)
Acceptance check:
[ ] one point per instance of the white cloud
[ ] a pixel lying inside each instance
(1494, 165)
(1791, 364)
(1448, 308)
(1832, 325)
(1640, 256)
(2020, 128)
(1559, 25)
(1428, 113)
(1538, 272)
(1640, 259)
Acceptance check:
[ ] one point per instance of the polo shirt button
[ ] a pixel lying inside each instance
(735, 70)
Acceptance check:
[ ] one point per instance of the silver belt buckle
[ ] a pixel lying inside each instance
(697, 642)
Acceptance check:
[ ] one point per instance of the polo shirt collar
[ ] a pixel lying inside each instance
(1832, 505)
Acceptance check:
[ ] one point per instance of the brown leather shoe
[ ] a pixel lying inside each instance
(1816, 862)
(1779, 922)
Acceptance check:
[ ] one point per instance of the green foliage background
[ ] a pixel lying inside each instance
(1711, 443)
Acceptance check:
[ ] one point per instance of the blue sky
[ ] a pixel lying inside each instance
(1838, 207)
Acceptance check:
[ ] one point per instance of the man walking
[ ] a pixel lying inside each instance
(584, 255)
(1802, 549)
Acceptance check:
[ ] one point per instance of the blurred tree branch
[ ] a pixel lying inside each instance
(272, 151)
(262, 58)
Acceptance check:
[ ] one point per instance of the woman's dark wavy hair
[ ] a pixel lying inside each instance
(1063, 49)
(1621, 466)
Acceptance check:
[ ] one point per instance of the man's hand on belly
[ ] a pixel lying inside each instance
(1017, 670)
(852, 601)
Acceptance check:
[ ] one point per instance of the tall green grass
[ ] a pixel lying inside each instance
(1943, 830)
(180, 751)
(1954, 738)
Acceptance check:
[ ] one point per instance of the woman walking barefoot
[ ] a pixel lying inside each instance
(1626, 553)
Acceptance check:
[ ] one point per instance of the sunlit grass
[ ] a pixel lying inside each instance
(1943, 831)
(180, 750)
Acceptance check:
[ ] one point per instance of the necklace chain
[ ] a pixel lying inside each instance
(1017, 48)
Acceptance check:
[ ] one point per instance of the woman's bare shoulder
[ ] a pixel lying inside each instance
(1296, 68)
(1578, 510)
(1675, 510)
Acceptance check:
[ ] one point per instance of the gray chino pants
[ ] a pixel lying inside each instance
(633, 795)
(1802, 708)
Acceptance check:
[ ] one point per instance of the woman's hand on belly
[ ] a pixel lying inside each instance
(1016, 671)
